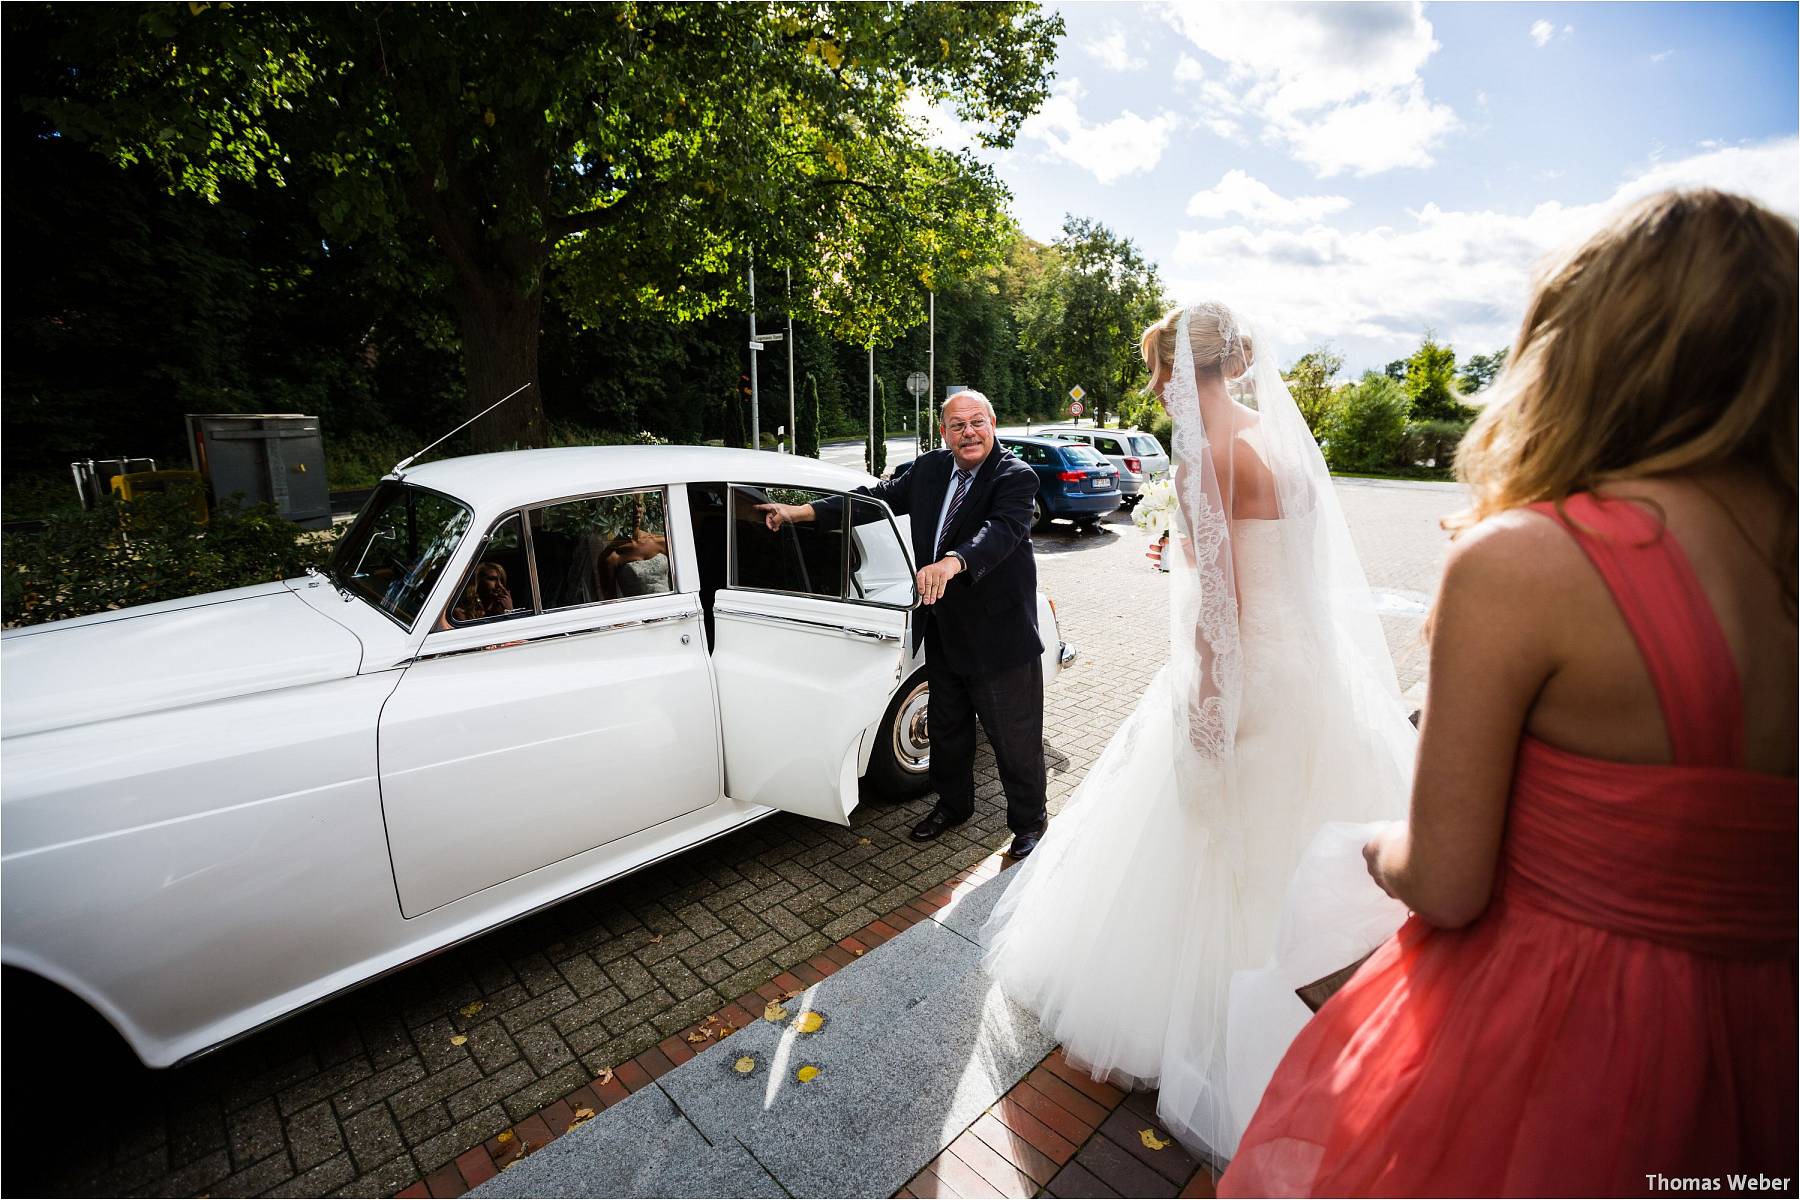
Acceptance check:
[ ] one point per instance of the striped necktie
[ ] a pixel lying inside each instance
(962, 489)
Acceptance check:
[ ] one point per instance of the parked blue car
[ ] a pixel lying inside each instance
(1075, 483)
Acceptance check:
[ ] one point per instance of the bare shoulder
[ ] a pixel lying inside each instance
(1518, 560)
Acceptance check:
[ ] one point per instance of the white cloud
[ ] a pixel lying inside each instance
(1661, 56)
(1542, 32)
(1113, 54)
(1126, 145)
(1464, 273)
(1238, 194)
(937, 122)
(1336, 85)
(1189, 70)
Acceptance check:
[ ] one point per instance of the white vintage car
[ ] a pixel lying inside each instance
(523, 675)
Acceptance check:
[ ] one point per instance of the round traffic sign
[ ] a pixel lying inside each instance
(1075, 409)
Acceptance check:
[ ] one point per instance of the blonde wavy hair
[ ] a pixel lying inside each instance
(1214, 337)
(1663, 344)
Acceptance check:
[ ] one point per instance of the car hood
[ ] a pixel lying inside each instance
(161, 656)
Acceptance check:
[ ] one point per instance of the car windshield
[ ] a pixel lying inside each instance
(398, 547)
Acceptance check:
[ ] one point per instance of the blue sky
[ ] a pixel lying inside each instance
(1355, 172)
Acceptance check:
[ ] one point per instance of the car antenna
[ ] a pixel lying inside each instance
(408, 460)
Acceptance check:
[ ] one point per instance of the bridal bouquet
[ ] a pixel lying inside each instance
(1155, 512)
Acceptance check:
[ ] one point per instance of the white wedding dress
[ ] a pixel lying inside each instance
(1183, 892)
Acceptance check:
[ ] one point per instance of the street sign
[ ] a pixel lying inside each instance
(916, 383)
(768, 337)
(1075, 393)
(1075, 409)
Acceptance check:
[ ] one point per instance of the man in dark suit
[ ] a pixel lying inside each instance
(971, 518)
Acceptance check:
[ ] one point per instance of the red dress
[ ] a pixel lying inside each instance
(1626, 1005)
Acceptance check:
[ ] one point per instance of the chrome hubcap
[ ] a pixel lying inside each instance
(912, 741)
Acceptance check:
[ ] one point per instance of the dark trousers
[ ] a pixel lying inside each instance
(1010, 704)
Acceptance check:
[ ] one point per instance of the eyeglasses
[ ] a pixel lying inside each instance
(978, 425)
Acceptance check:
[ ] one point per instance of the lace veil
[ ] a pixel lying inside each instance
(1242, 454)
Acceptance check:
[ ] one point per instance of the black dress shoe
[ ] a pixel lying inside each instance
(935, 822)
(1025, 843)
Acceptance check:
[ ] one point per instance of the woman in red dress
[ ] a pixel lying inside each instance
(1595, 994)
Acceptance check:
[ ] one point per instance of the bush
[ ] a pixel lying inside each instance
(1432, 443)
(806, 441)
(154, 548)
(1364, 430)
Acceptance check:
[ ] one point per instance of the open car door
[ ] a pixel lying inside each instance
(810, 634)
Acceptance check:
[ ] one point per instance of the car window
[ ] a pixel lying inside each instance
(807, 558)
(498, 583)
(879, 570)
(1109, 445)
(1082, 454)
(1147, 445)
(602, 548)
(398, 547)
(1030, 452)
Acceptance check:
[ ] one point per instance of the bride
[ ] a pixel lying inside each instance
(1192, 881)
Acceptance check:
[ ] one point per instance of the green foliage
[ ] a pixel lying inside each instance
(1431, 382)
(1432, 443)
(1083, 305)
(1364, 430)
(1481, 370)
(807, 440)
(875, 444)
(631, 153)
(1309, 381)
(1396, 370)
(154, 548)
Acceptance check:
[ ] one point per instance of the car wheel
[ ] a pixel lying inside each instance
(899, 764)
(1040, 516)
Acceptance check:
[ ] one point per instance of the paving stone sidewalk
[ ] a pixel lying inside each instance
(384, 1088)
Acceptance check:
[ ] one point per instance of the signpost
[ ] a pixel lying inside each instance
(918, 383)
(1075, 409)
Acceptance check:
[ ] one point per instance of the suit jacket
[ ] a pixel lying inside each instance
(987, 617)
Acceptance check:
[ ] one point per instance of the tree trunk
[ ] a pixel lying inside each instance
(500, 331)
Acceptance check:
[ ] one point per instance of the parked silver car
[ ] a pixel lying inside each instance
(1139, 457)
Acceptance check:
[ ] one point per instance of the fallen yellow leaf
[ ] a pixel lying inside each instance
(773, 1011)
(656, 939)
(807, 1074)
(469, 1010)
(744, 1065)
(604, 1077)
(790, 994)
(865, 841)
(725, 1030)
(582, 1117)
(459, 1039)
(1151, 1141)
(810, 1022)
(699, 1035)
(505, 1137)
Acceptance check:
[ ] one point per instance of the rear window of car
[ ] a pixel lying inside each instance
(1146, 444)
(1084, 455)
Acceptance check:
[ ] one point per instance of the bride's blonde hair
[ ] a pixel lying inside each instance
(1214, 338)
(1664, 343)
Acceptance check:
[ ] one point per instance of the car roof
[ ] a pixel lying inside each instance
(511, 478)
(1089, 430)
(1032, 438)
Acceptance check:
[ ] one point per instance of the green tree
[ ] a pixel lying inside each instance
(807, 438)
(1080, 319)
(1396, 370)
(875, 446)
(1309, 380)
(1367, 425)
(629, 153)
(1481, 370)
(1431, 382)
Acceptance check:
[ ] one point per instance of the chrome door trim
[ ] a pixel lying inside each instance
(508, 643)
(876, 635)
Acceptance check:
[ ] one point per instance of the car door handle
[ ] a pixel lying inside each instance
(874, 635)
(505, 643)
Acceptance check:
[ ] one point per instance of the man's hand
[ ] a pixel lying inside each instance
(777, 515)
(935, 578)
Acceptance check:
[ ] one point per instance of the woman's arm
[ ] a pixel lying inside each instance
(1492, 648)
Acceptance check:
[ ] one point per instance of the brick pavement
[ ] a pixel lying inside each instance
(388, 1088)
